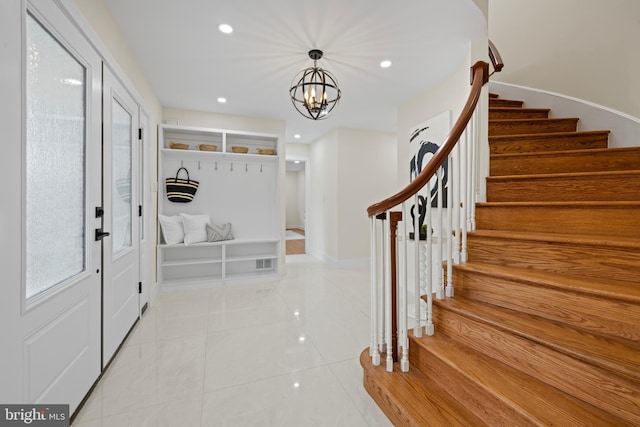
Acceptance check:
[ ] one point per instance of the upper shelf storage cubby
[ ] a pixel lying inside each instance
(181, 139)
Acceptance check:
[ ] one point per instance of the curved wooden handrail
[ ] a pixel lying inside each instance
(496, 59)
(479, 76)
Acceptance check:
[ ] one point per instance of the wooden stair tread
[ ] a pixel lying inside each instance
(531, 125)
(581, 239)
(577, 204)
(505, 102)
(546, 141)
(541, 403)
(538, 121)
(606, 288)
(412, 398)
(595, 175)
(507, 112)
(595, 256)
(612, 217)
(547, 135)
(610, 353)
(518, 109)
(576, 160)
(590, 151)
(605, 186)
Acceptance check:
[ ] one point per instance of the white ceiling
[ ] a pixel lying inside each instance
(190, 63)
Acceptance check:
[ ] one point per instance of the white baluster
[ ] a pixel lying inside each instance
(423, 270)
(387, 287)
(463, 194)
(418, 269)
(440, 283)
(455, 180)
(474, 169)
(470, 173)
(429, 329)
(403, 339)
(373, 349)
(382, 288)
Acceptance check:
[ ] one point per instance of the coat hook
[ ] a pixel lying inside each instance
(216, 165)
(231, 166)
(182, 163)
(261, 168)
(198, 164)
(246, 167)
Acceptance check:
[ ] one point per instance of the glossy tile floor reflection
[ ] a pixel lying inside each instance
(281, 353)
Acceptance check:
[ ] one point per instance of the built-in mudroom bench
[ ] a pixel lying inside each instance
(230, 229)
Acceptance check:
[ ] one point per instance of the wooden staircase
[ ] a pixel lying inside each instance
(544, 328)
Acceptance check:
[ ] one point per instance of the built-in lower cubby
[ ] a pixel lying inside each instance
(214, 262)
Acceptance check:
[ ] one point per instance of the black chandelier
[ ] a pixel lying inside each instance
(314, 91)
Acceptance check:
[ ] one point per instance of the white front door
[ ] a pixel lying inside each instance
(121, 200)
(50, 311)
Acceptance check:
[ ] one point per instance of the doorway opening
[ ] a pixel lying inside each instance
(295, 212)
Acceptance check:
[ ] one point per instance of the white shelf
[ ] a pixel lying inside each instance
(191, 262)
(251, 257)
(211, 155)
(243, 189)
(219, 244)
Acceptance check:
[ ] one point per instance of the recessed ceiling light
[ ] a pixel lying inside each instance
(225, 28)
(222, 100)
(296, 161)
(296, 136)
(385, 64)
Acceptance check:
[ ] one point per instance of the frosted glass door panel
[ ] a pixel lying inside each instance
(122, 212)
(55, 162)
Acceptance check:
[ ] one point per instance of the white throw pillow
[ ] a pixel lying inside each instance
(172, 229)
(195, 228)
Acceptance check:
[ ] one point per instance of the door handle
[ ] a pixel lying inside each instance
(101, 234)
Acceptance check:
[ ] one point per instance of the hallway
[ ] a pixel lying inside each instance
(246, 354)
(295, 242)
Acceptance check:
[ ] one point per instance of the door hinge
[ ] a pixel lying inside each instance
(139, 210)
(140, 134)
(139, 287)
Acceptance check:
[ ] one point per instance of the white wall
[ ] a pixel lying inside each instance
(223, 121)
(297, 151)
(587, 49)
(349, 170)
(448, 95)
(366, 175)
(322, 218)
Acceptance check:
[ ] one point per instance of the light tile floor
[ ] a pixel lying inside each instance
(282, 353)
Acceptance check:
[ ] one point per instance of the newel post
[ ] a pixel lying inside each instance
(394, 218)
